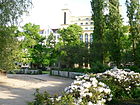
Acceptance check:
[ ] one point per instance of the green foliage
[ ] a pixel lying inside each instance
(37, 50)
(136, 92)
(127, 50)
(31, 39)
(97, 67)
(11, 10)
(98, 17)
(9, 47)
(117, 91)
(133, 13)
(115, 33)
(46, 99)
(52, 50)
(45, 72)
(70, 35)
(114, 42)
(77, 70)
(123, 86)
(134, 68)
(72, 51)
(40, 99)
(98, 88)
(66, 100)
(32, 36)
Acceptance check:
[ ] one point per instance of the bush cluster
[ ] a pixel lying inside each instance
(123, 84)
(95, 89)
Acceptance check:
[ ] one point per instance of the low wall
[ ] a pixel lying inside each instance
(65, 73)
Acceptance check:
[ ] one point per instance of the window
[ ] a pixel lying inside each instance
(86, 28)
(58, 36)
(86, 38)
(79, 19)
(86, 23)
(91, 23)
(81, 23)
(75, 23)
(87, 18)
(81, 37)
(91, 38)
(91, 28)
(41, 32)
(64, 17)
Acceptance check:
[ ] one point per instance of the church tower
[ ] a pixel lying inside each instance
(66, 17)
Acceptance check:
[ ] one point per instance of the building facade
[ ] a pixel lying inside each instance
(47, 31)
(84, 21)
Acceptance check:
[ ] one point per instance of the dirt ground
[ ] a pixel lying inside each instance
(19, 89)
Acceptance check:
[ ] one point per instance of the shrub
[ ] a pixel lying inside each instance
(97, 67)
(88, 90)
(85, 90)
(122, 83)
(76, 70)
(96, 89)
(41, 98)
(46, 99)
(134, 68)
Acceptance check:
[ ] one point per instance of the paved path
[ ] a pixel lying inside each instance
(19, 89)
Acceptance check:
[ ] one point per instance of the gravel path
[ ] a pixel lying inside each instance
(19, 89)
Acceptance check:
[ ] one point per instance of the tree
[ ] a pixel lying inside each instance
(126, 46)
(52, 48)
(9, 48)
(38, 50)
(11, 10)
(71, 34)
(114, 25)
(133, 13)
(69, 45)
(33, 44)
(98, 7)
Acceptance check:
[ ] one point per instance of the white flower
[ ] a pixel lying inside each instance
(86, 77)
(77, 82)
(82, 94)
(111, 95)
(87, 84)
(90, 103)
(79, 100)
(103, 100)
(107, 90)
(102, 84)
(59, 98)
(94, 80)
(109, 99)
(94, 84)
(100, 89)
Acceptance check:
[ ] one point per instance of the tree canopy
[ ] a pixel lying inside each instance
(12, 10)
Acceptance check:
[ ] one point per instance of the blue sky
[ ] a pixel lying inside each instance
(48, 12)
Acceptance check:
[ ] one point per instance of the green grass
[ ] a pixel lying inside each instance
(45, 72)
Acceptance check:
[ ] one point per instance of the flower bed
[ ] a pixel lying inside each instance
(122, 83)
(88, 90)
(96, 89)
